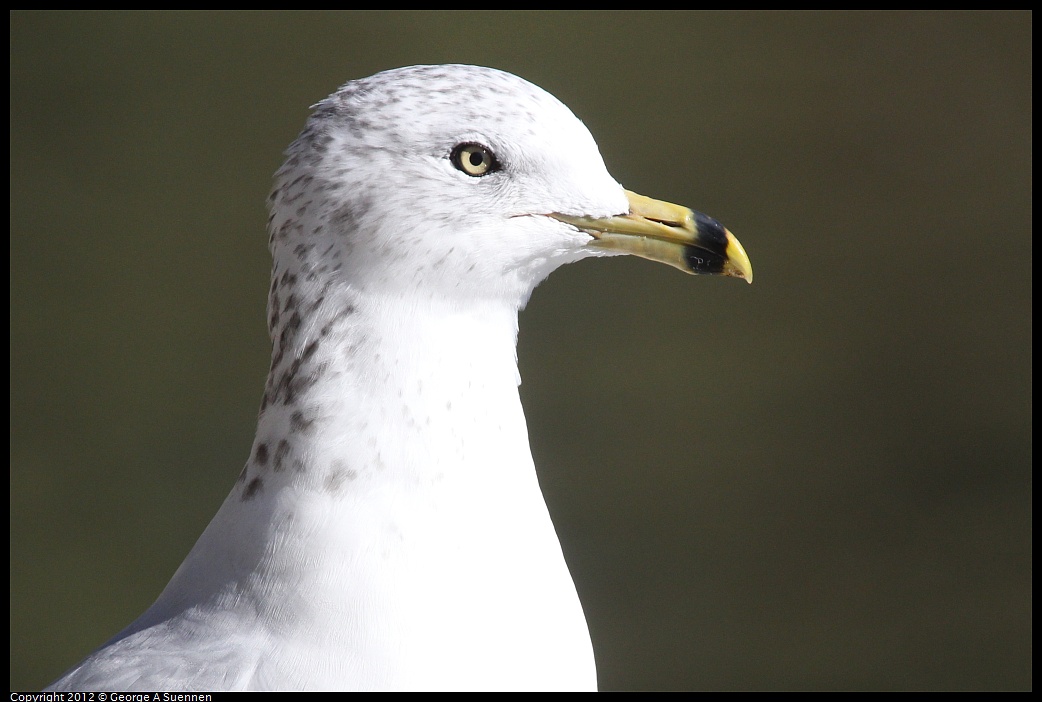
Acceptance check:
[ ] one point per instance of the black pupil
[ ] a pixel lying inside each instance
(476, 158)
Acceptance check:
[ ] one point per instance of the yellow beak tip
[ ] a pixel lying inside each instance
(738, 264)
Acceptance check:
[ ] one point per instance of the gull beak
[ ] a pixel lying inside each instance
(668, 233)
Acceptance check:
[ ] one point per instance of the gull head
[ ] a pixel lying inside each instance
(465, 181)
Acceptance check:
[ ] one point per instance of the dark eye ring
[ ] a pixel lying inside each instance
(474, 159)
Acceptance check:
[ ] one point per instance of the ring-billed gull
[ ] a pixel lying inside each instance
(388, 530)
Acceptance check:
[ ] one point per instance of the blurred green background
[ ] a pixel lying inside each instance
(820, 481)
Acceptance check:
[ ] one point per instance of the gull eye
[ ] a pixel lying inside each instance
(474, 159)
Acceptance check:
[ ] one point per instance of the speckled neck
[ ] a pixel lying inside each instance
(363, 385)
